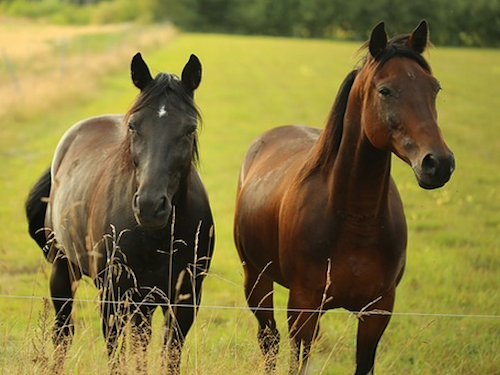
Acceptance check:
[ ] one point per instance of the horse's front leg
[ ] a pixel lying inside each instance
(304, 311)
(179, 315)
(117, 311)
(113, 319)
(116, 308)
(370, 330)
(141, 318)
(178, 321)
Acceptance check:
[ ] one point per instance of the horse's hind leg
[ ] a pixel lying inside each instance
(259, 293)
(115, 312)
(62, 282)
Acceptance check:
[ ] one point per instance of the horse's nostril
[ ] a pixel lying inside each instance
(162, 205)
(430, 165)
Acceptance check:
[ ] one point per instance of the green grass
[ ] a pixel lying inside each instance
(251, 84)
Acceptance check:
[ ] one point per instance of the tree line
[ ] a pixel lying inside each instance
(452, 22)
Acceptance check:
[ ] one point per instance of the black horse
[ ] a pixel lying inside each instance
(124, 204)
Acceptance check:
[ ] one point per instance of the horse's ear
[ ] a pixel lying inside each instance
(419, 38)
(378, 40)
(191, 74)
(140, 72)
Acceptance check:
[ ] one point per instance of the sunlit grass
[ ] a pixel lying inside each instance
(249, 85)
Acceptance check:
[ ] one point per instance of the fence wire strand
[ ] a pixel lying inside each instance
(275, 309)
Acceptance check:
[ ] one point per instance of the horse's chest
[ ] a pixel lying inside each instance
(150, 259)
(362, 273)
(366, 261)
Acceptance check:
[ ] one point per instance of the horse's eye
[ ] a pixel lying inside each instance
(384, 91)
(131, 128)
(191, 129)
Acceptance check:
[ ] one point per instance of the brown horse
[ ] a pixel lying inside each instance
(319, 213)
(127, 207)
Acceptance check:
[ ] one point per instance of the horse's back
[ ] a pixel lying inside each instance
(274, 159)
(85, 136)
(280, 146)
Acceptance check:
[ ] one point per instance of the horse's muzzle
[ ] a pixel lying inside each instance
(435, 170)
(151, 212)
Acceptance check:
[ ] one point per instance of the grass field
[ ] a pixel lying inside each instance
(448, 303)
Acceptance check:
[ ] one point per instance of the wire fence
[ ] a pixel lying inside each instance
(275, 309)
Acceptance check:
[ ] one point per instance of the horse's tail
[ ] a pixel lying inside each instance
(36, 208)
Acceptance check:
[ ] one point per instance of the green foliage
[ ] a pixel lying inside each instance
(39, 9)
(84, 12)
(453, 22)
(53, 10)
(117, 11)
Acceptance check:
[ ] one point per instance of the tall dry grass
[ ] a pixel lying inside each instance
(42, 66)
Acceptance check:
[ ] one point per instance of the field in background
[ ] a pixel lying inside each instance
(250, 84)
(42, 66)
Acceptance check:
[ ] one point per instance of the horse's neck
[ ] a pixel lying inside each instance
(360, 177)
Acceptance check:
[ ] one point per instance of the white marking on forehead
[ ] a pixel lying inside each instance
(162, 112)
(411, 75)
